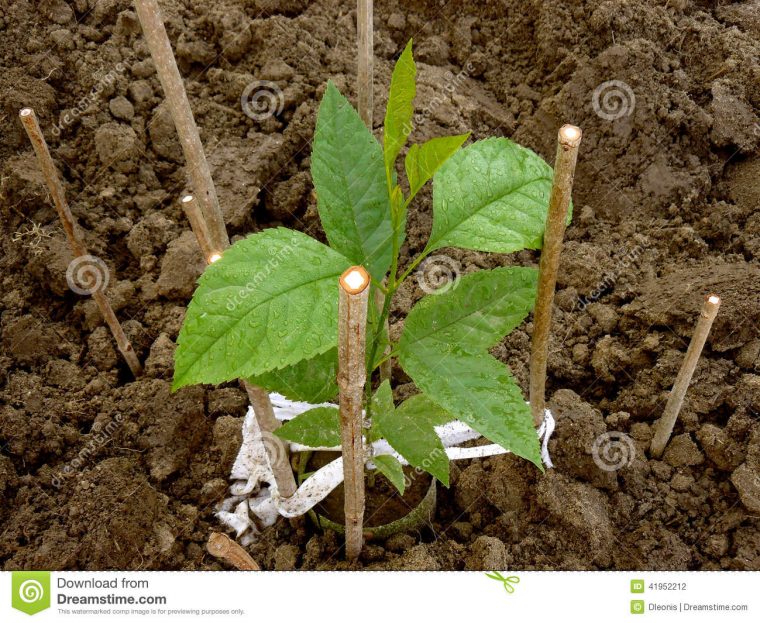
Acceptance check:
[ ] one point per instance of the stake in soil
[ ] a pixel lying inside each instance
(216, 239)
(664, 427)
(198, 225)
(179, 106)
(352, 374)
(258, 397)
(78, 248)
(365, 71)
(567, 154)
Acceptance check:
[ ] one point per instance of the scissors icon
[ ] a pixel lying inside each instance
(507, 582)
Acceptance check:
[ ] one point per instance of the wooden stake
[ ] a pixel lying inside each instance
(258, 397)
(76, 242)
(179, 106)
(276, 448)
(564, 169)
(222, 546)
(352, 374)
(365, 72)
(664, 427)
(198, 225)
(365, 103)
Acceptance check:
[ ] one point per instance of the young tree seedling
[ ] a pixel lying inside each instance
(176, 98)
(664, 427)
(268, 311)
(78, 248)
(352, 375)
(569, 138)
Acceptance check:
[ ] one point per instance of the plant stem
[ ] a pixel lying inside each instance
(78, 248)
(664, 427)
(415, 263)
(564, 170)
(179, 106)
(352, 376)
(366, 61)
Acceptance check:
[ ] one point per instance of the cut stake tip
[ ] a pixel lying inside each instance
(713, 299)
(26, 112)
(187, 198)
(354, 280)
(570, 135)
(214, 257)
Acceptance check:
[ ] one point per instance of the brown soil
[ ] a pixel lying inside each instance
(98, 471)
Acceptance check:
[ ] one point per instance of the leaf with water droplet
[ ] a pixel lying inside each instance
(349, 178)
(491, 196)
(252, 313)
(444, 348)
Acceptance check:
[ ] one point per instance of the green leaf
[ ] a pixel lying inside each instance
(477, 389)
(382, 399)
(421, 409)
(398, 113)
(373, 318)
(444, 349)
(349, 177)
(269, 302)
(318, 427)
(409, 430)
(476, 313)
(422, 161)
(311, 380)
(381, 402)
(491, 196)
(389, 467)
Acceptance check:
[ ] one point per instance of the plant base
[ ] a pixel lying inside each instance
(420, 515)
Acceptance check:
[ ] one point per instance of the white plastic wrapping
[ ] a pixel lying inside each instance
(255, 501)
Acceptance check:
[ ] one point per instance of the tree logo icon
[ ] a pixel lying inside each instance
(30, 591)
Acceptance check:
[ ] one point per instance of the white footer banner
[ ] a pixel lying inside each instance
(368, 597)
